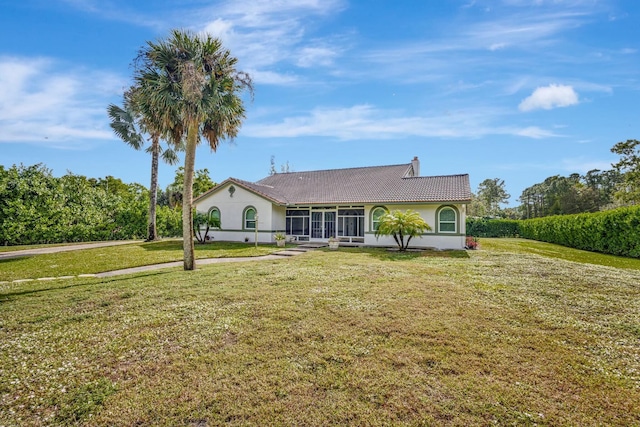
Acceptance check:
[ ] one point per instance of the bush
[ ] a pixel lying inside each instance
(615, 232)
(483, 227)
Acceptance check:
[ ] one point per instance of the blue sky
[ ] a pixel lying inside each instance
(512, 89)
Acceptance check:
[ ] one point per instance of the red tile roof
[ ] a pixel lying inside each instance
(375, 184)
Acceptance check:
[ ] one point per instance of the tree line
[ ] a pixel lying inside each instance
(37, 207)
(597, 190)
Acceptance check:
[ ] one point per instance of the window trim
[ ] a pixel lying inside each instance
(244, 217)
(215, 208)
(455, 222)
(371, 220)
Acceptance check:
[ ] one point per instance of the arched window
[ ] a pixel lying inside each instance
(250, 218)
(376, 214)
(214, 217)
(447, 220)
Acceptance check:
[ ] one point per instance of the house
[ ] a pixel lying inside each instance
(344, 203)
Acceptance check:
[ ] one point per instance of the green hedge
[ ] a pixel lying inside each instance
(482, 227)
(615, 232)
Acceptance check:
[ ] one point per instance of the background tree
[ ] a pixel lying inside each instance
(402, 225)
(36, 207)
(476, 208)
(560, 195)
(284, 168)
(129, 123)
(193, 83)
(629, 168)
(491, 193)
(202, 183)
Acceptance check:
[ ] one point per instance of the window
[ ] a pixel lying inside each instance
(250, 218)
(214, 217)
(447, 220)
(351, 222)
(376, 214)
(298, 222)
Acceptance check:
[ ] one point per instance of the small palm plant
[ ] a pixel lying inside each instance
(402, 225)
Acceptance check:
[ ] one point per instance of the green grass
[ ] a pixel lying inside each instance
(354, 337)
(561, 252)
(109, 258)
(25, 247)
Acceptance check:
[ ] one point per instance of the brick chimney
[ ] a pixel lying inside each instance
(415, 163)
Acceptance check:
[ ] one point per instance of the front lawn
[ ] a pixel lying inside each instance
(98, 260)
(501, 336)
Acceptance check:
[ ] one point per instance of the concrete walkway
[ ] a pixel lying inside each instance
(66, 248)
(285, 253)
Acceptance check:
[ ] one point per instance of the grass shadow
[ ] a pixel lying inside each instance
(385, 254)
(176, 245)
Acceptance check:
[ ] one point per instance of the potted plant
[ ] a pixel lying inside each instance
(280, 239)
(334, 242)
(471, 243)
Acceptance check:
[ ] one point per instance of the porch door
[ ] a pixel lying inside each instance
(323, 224)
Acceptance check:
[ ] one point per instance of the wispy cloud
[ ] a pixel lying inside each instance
(582, 165)
(266, 34)
(41, 104)
(548, 97)
(363, 122)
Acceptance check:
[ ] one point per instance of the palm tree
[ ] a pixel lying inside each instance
(129, 123)
(192, 85)
(400, 224)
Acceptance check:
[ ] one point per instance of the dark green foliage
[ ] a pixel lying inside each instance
(36, 207)
(560, 195)
(629, 166)
(615, 232)
(483, 227)
(169, 221)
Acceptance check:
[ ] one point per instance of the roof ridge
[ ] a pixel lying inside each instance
(435, 176)
(342, 169)
(251, 182)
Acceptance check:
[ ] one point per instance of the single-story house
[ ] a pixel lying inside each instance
(344, 203)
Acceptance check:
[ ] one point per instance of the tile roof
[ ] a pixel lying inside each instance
(374, 184)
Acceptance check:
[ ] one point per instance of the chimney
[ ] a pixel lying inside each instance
(415, 163)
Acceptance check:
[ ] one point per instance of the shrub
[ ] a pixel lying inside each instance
(483, 227)
(615, 232)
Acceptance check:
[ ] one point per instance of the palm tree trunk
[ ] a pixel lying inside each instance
(153, 189)
(187, 197)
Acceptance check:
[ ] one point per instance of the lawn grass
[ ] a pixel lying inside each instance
(16, 248)
(561, 252)
(98, 260)
(353, 337)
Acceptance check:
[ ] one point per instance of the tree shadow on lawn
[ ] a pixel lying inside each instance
(75, 283)
(173, 245)
(386, 254)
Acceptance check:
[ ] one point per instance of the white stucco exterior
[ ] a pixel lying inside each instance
(232, 204)
(346, 204)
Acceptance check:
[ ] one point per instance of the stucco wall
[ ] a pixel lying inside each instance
(271, 219)
(431, 239)
(232, 209)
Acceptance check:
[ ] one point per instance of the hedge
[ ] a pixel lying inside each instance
(482, 227)
(615, 232)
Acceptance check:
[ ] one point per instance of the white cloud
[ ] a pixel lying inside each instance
(40, 104)
(314, 56)
(548, 97)
(535, 132)
(582, 165)
(362, 122)
(266, 34)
